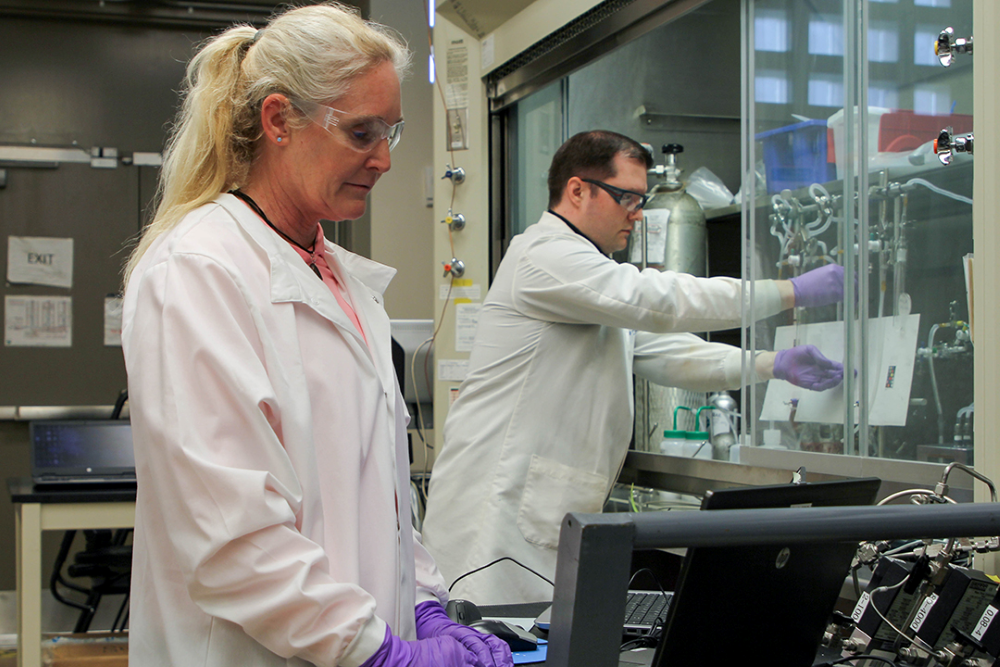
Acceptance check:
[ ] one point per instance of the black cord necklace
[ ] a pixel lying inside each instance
(256, 209)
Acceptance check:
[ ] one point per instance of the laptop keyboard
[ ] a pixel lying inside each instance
(645, 608)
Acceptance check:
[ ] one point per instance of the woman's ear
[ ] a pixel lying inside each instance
(273, 119)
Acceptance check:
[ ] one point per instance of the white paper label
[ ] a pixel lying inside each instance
(471, 292)
(656, 233)
(453, 370)
(984, 623)
(113, 321)
(860, 607)
(922, 613)
(466, 320)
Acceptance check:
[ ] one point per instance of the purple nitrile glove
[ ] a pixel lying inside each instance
(433, 621)
(432, 652)
(819, 287)
(805, 366)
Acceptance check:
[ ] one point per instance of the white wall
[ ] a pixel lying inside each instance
(401, 223)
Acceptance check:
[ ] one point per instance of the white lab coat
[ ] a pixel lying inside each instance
(543, 420)
(272, 521)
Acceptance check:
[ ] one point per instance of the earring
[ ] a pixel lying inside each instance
(279, 140)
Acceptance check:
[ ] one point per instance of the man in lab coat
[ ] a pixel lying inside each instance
(544, 418)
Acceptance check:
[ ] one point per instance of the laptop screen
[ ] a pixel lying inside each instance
(81, 449)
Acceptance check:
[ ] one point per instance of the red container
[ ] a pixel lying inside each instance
(904, 130)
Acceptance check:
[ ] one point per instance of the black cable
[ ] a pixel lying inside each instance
(490, 564)
(651, 574)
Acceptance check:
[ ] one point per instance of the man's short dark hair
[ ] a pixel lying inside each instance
(591, 155)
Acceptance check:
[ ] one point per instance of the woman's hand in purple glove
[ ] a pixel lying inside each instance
(433, 621)
(819, 287)
(431, 652)
(805, 366)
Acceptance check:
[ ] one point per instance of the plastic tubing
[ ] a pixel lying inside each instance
(934, 386)
(941, 191)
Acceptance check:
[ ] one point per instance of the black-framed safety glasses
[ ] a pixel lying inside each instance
(630, 200)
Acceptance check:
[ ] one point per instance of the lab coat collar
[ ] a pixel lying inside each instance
(291, 278)
(574, 228)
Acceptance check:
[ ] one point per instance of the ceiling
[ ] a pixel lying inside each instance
(480, 17)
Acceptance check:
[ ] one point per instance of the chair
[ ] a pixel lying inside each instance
(105, 560)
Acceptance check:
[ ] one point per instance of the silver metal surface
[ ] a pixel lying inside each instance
(761, 466)
(29, 155)
(696, 476)
(36, 412)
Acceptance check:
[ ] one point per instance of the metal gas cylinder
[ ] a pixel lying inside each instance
(676, 240)
(723, 430)
(670, 205)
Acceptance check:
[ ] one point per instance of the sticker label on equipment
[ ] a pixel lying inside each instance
(984, 623)
(860, 607)
(925, 609)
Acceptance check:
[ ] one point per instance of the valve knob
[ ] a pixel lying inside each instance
(946, 46)
(457, 175)
(455, 268)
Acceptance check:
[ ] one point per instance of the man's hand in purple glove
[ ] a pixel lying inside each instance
(819, 287)
(805, 366)
(432, 652)
(433, 621)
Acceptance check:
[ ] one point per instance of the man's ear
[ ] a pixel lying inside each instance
(574, 191)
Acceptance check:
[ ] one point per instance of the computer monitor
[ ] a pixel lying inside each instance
(412, 336)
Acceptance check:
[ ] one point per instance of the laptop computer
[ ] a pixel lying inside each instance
(67, 452)
(775, 600)
(647, 611)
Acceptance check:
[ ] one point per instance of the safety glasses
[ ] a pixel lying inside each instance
(362, 133)
(627, 199)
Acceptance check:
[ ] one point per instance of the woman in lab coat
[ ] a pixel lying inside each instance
(272, 520)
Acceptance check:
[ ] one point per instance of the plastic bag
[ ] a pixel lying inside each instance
(760, 179)
(708, 189)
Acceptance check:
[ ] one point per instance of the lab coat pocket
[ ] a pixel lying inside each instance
(552, 489)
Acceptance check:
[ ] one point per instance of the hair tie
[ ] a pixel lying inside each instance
(256, 36)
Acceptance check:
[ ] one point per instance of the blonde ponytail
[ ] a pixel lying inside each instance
(311, 53)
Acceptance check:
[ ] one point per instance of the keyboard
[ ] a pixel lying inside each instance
(642, 609)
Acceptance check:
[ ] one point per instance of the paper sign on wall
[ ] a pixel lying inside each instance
(453, 370)
(466, 320)
(113, 321)
(39, 260)
(38, 321)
